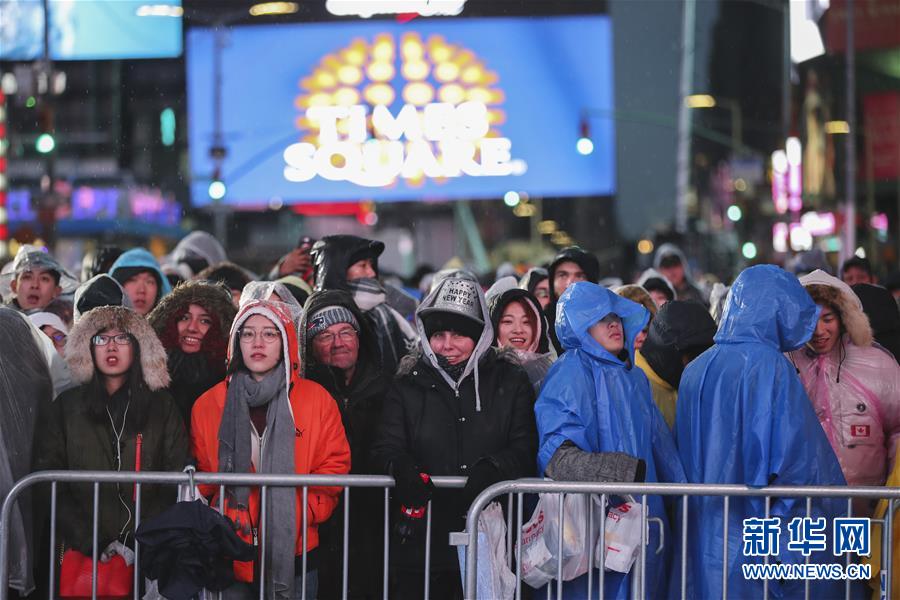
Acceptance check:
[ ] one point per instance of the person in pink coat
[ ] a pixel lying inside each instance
(853, 384)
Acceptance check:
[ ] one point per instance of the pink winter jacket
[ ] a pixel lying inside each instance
(856, 394)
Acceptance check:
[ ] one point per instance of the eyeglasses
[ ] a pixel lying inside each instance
(60, 338)
(327, 338)
(541, 294)
(123, 339)
(270, 335)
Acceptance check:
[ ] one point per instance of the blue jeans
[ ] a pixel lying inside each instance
(246, 591)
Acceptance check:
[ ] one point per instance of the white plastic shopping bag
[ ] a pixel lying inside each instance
(623, 536)
(540, 540)
(495, 580)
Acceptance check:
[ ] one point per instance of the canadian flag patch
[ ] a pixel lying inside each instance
(859, 430)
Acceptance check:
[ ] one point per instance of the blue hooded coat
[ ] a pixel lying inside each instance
(603, 404)
(743, 417)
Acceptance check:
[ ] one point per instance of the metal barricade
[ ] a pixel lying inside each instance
(518, 488)
(262, 481)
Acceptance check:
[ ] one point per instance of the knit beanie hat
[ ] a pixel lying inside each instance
(326, 317)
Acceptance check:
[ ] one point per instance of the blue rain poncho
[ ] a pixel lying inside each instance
(743, 417)
(603, 404)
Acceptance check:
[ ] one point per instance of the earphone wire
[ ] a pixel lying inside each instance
(118, 435)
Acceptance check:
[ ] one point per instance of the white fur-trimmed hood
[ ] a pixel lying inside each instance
(848, 303)
(81, 359)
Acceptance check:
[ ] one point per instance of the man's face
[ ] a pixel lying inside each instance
(35, 289)
(828, 332)
(565, 275)
(673, 271)
(854, 275)
(337, 346)
(361, 269)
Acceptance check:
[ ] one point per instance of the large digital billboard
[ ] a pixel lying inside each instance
(90, 29)
(431, 109)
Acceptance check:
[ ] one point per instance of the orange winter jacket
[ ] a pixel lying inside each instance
(320, 445)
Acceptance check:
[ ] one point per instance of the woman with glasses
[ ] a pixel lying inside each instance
(265, 418)
(119, 418)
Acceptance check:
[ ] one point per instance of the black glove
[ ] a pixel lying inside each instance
(483, 475)
(410, 489)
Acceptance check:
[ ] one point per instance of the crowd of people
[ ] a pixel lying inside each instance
(324, 367)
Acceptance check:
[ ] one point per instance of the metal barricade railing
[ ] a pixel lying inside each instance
(518, 488)
(262, 481)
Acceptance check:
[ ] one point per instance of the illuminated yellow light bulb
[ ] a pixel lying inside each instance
(418, 93)
(479, 94)
(446, 72)
(379, 93)
(325, 80)
(415, 70)
(380, 71)
(320, 99)
(412, 47)
(472, 74)
(349, 75)
(355, 55)
(346, 96)
(452, 93)
(496, 117)
(383, 48)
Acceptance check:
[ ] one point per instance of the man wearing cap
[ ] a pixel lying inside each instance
(350, 263)
(572, 264)
(35, 280)
(458, 407)
(340, 353)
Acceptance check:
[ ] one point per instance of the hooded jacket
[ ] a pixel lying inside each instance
(360, 403)
(199, 250)
(447, 428)
(884, 315)
(680, 328)
(532, 278)
(601, 403)
(646, 281)
(100, 290)
(193, 374)
(591, 267)
(743, 417)
(855, 390)
(688, 289)
(139, 259)
(76, 436)
(320, 446)
(537, 360)
(25, 384)
(334, 254)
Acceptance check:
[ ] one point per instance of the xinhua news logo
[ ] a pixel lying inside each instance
(850, 536)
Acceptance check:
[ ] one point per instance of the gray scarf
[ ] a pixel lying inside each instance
(276, 456)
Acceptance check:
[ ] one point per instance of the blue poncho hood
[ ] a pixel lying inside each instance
(768, 305)
(743, 417)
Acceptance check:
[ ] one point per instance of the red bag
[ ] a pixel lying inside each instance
(114, 578)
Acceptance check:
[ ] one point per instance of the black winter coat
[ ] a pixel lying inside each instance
(444, 435)
(72, 439)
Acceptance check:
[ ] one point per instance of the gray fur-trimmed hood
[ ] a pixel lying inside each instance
(81, 359)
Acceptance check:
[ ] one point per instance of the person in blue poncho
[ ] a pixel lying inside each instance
(743, 417)
(596, 417)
